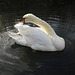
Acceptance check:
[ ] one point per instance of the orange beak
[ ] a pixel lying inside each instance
(22, 21)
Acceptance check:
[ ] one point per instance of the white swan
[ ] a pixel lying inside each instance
(43, 39)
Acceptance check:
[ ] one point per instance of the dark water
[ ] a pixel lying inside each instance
(20, 60)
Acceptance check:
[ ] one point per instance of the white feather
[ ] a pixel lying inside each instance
(38, 38)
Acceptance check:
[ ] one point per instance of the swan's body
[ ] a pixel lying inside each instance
(44, 38)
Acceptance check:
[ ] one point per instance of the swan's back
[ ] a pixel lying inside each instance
(36, 38)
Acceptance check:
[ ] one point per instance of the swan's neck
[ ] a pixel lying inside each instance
(57, 41)
(48, 29)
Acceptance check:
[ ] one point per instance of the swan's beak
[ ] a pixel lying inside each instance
(22, 21)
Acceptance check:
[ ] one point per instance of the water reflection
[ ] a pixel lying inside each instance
(20, 60)
(18, 57)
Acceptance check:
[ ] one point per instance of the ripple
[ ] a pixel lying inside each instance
(18, 60)
(25, 59)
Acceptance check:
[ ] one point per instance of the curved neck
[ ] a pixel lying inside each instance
(48, 29)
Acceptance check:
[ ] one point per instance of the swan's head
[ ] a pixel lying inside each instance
(29, 17)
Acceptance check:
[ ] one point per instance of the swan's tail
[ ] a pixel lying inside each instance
(18, 38)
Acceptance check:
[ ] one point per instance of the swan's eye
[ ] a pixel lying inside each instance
(24, 18)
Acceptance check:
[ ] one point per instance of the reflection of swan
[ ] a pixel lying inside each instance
(44, 38)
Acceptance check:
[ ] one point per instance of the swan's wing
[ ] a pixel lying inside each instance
(33, 37)
(36, 38)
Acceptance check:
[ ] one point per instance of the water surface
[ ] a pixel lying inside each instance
(19, 60)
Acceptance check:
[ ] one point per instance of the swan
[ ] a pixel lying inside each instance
(41, 38)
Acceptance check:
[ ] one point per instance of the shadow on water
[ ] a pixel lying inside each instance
(19, 60)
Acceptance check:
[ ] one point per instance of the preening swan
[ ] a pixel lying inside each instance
(41, 38)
